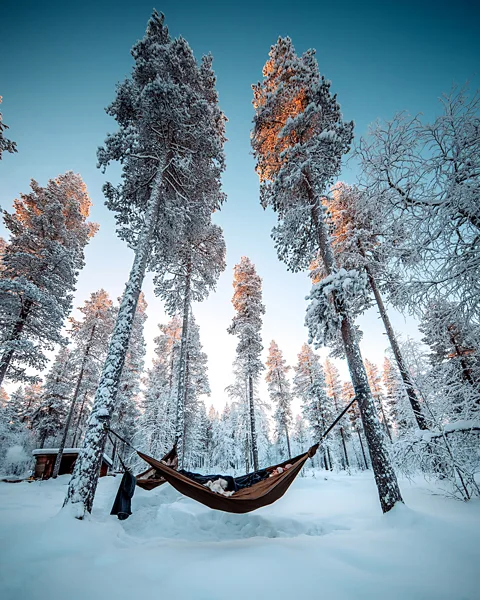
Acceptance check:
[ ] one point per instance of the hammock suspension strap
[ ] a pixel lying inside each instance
(323, 436)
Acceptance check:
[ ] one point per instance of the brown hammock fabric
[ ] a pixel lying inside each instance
(152, 478)
(243, 501)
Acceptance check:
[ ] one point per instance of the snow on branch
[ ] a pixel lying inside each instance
(322, 318)
(458, 426)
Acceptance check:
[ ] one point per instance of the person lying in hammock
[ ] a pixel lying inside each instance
(231, 485)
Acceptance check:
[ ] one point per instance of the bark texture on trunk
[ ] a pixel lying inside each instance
(288, 442)
(385, 423)
(15, 336)
(185, 400)
(402, 367)
(385, 478)
(182, 371)
(253, 431)
(79, 420)
(363, 449)
(342, 434)
(466, 370)
(83, 483)
(247, 455)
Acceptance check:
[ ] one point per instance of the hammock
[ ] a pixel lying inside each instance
(244, 500)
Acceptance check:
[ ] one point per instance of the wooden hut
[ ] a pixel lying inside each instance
(45, 461)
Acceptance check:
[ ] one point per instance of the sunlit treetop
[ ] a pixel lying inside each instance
(298, 140)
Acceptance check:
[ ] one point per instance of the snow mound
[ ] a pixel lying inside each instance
(164, 513)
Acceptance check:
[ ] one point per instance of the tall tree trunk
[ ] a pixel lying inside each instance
(325, 464)
(15, 336)
(288, 441)
(363, 449)
(329, 456)
(185, 400)
(384, 419)
(287, 437)
(385, 478)
(253, 432)
(342, 434)
(76, 435)
(63, 441)
(83, 483)
(326, 451)
(43, 437)
(402, 367)
(114, 453)
(466, 371)
(182, 369)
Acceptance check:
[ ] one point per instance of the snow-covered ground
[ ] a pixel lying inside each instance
(326, 539)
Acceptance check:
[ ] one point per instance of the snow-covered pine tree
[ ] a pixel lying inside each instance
(197, 256)
(198, 443)
(221, 454)
(127, 405)
(334, 392)
(6, 145)
(236, 415)
(239, 417)
(266, 454)
(156, 425)
(362, 239)
(396, 397)
(246, 324)
(49, 417)
(16, 403)
(31, 401)
(16, 421)
(197, 259)
(450, 450)
(48, 233)
(348, 393)
(4, 398)
(3, 245)
(299, 139)
(281, 397)
(211, 434)
(196, 387)
(375, 382)
(170, 128)
(309, 386)
(12, 431)
(455, 358)
(299, 437)
(90, 336)
(128, 402)
(427, 175)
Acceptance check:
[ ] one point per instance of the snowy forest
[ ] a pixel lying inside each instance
(404, 236)
(401, 238)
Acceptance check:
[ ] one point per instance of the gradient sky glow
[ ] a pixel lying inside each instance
(60, 62)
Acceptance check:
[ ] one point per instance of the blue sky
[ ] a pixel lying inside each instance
(58, 69)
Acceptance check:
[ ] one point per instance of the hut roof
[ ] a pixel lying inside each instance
(41, 451)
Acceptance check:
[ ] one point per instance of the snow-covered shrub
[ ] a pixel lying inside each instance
(17, 461)
(450, 456)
